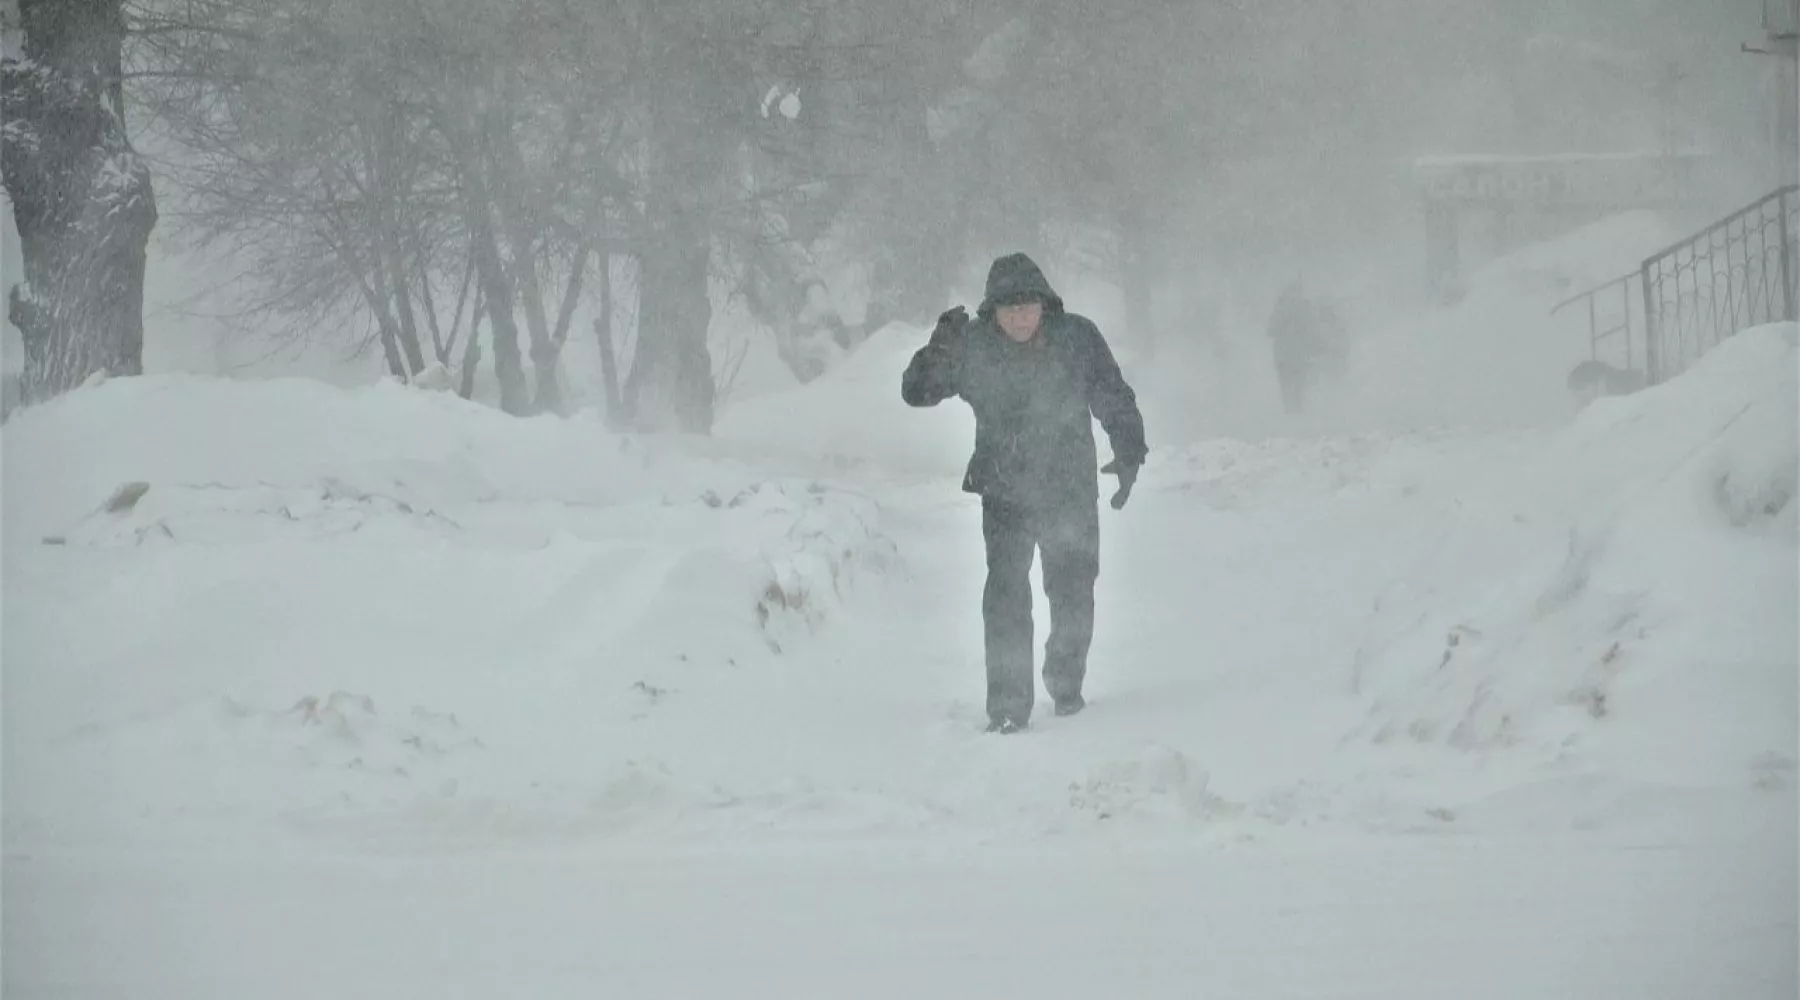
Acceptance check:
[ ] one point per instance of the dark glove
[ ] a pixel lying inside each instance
(950, 324)
(1127, 474)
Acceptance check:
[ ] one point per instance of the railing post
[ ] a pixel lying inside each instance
(1625, 311)
(1593, 331)
(1652, 356)
(1787, 261)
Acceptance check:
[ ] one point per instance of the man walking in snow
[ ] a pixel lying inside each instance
(1306, 338)
(1036, 377)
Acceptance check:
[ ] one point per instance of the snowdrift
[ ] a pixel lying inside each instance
(427, 448)
(227, 601)
(1623, 601)
(1496, 358)
(854, 414)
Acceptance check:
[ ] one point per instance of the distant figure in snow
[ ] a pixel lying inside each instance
(1307, 338)
(1036, 377)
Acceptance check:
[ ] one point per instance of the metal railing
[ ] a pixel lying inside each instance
(1739, 272)
(1614, 316)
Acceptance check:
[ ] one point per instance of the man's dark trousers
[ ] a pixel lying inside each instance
(1068, 534)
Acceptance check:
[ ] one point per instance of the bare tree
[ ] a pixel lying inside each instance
(398, 153)
(309, 158)
(80, 194)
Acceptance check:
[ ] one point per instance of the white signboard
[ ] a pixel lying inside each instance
(1625, 180)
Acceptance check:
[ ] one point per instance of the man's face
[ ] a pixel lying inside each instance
(1020, 322)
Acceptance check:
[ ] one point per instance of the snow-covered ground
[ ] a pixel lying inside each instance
(314, 691)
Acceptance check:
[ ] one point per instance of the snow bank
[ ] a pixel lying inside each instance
(1625, 601)
(1496, 358)
(64, 457)
(1577, 260)
(187, 459)
(228, 602)
(854, 413)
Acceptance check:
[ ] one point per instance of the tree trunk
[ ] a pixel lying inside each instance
(916, 261)
(609, 357)
(441, 346)
(508, 368)
(379, 299)
(671, 387)
(385, 189)
(509, 194)
(471, 358)
(544, 352)
(408, 327)
(495, 286)
(80, 195)
(390, 351)
(671, 383)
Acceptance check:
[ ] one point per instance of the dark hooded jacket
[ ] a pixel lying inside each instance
(1035, 402)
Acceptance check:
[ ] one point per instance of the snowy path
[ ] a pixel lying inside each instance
(1390, 921)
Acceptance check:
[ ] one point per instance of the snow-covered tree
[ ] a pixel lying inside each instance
(80, 195)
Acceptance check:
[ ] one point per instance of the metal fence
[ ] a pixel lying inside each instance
(1615, 320)
(1739, 272)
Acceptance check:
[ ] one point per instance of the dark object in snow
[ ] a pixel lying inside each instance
(1070, 705)
(126, 497)
(1594, 378)
(1005, 727)
(1036, 377)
